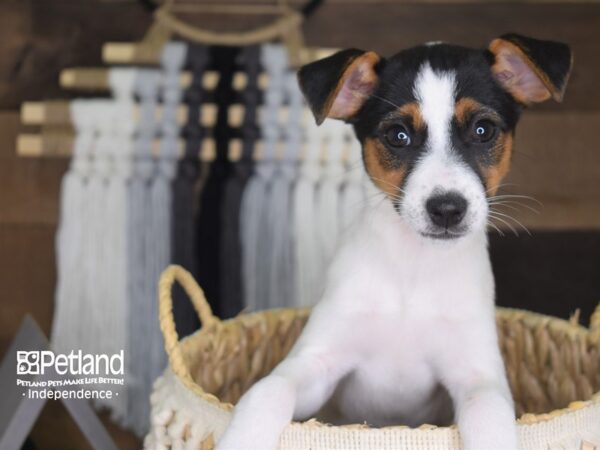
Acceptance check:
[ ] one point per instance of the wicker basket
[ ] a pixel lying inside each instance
(553, 367)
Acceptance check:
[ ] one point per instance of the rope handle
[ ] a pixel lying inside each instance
(165, 312)
(595, 325)
(280, 27)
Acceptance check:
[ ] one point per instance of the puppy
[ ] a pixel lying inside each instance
(405, 331)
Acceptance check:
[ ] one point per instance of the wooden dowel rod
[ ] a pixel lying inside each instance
(133, 53)
(57, 112)
(84, 79)
(60, 144)
(57, 144)
(96, 79)
(53, 144)
(49, 112)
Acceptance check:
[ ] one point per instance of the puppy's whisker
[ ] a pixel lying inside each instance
(500, 186)
(398, 188)
(379, 98)
(505, 205)
(514, 202)
(509, 217)
(375, 195)
(508, 224)
(384, 100)
(513, 196)
(496, 227)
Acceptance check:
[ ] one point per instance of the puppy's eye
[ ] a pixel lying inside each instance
(483, 130)
(397, 136)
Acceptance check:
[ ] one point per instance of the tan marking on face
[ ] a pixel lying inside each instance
(465, 108)
(378, 165)
(413, 111)
(502, 154)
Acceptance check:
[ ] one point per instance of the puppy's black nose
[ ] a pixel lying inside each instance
(446, 210)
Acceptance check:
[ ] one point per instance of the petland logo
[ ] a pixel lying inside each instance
(75, 363)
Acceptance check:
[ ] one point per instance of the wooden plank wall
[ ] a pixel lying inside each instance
(557, 157)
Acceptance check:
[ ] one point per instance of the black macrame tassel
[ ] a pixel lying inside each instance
(184, 195)
(231, 259)
(209, 224)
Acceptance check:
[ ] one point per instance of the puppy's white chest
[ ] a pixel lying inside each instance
(394, 383)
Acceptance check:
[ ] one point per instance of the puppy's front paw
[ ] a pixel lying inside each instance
(255, 439)
(507, 440)
(260, 416)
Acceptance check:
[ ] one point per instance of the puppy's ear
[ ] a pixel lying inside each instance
(338, 86)
(531, 70)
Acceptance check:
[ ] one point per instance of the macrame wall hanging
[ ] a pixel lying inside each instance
(203, 160)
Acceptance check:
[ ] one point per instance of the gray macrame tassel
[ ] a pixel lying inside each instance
(307, 253)
(140, 287)
(256, 242)
(281, 269)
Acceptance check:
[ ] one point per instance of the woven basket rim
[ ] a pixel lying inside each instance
(209, 326)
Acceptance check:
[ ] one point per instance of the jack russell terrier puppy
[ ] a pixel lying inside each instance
(405, 331)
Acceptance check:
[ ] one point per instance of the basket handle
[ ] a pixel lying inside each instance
(165, 312)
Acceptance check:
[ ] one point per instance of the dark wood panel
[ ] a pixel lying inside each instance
(551, 273)
(27, 277)
(31, 190)
(556, 156)
(29, 187)
(40, 37)
(391, 27)
(55, 429)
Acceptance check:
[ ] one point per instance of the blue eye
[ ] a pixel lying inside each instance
(483, 131)
(397, 136)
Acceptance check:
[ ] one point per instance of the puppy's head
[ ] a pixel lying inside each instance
(436, 122)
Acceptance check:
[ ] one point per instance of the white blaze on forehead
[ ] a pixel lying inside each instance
(434, 92)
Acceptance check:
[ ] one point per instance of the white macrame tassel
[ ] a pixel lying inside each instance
(67, 327)
(281, 270)
(353, 195)
(114, 307)
(140, 287)
(255, 240)
(96, 245)
(307, 254)
(328, 193)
